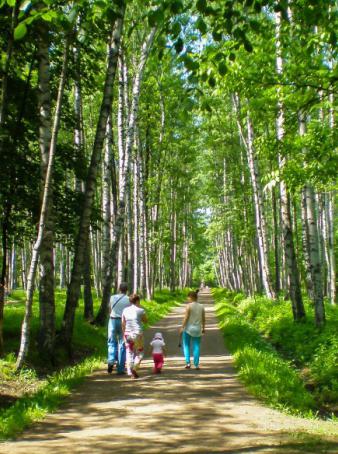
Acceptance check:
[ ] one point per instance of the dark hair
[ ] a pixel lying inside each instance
(123, 287)
(134, 298)
(193, 295)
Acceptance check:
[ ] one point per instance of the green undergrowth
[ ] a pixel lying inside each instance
(291, 366)
(47, 391)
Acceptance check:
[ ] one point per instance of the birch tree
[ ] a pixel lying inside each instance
(25, 329)
(73, 291)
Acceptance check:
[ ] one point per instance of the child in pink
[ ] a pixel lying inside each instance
(158, 351)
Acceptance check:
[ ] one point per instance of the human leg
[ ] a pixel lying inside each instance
(130, 353)
(112, 345)
(186, 338)
(121, 350)
(139, 351)
(158, 362)
(196, 343)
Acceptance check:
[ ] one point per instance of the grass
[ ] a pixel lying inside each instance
(50, 390)
(269, 376)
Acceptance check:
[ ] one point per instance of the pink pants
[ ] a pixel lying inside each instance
(158, 362)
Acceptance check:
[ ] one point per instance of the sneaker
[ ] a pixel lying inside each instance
(110, 368)
(187, 366)
(197, 367)
(134, 374)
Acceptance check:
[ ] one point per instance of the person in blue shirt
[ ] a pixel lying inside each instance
(116, 346)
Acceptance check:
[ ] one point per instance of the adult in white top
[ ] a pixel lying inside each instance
(133, 319)
(192, 329)
(116, 347)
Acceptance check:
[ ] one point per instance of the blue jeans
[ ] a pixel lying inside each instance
(116, 347)
(196, 342)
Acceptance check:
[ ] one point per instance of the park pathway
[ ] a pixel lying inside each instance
(180, 411)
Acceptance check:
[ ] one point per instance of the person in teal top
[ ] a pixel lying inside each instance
(192, 329)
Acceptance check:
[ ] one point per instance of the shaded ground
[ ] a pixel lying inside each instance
(182, 411)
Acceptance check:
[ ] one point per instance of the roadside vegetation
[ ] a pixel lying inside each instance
(290, 366)
(27, 395)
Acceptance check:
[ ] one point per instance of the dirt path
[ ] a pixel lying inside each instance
(181, 411)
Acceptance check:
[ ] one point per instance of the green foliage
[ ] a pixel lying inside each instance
(34, 407)
(267, 375)
(89, 340)
(304, 349)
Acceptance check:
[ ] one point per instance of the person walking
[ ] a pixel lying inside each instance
(133, 319)
(116, 347)
(158, 352)
(192, 329)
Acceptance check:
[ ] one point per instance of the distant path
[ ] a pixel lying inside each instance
(180, 411)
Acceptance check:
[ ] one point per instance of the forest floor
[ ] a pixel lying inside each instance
(184, 411)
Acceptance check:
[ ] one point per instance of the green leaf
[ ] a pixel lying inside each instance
(206, 106)
(20, 31)
(190, 64)
(333, 39)
(201, 25)
(247, 46)
(219, 56)
(179, 45)
(11, 3)
(222, 68)
(201, 5)
(176, 7)
(155, 17)
(217, 35)
(111, 14)
(176, 29)
(212, 81)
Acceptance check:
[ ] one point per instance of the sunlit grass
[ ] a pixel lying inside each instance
(53, 388)
(267, 375)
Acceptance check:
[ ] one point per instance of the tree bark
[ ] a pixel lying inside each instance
(312, 243)
(289, 248)
(124, 177)
(25, 330)
(46, 283)
(82, 238)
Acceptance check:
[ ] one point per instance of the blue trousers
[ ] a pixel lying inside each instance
(196, 343)
(116, 347)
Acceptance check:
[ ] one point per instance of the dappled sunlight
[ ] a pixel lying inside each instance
(184, 411)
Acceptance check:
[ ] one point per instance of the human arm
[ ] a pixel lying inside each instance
(123, 323)
(203, 321)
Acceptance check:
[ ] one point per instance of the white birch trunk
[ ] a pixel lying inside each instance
(25, 329)
(288, 241)
(312, 243)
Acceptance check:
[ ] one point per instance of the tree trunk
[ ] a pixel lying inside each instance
(25, 330)
(136, 228)
(311, 226)
(124, 177)
(106, 197)
(87, 284)
(289, 248)
(276, 242)
(82, 238)
(46, 288)
(306, 247)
